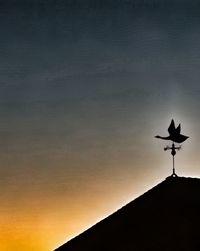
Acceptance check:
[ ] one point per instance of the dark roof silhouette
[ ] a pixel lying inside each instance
(166, 218)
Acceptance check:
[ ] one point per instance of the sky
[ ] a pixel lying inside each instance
(84, 88)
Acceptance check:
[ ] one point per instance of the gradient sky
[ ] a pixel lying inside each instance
(84, 87)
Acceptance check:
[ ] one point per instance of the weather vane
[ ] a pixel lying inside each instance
(176, 137)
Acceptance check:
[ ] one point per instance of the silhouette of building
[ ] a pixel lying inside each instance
(166, 218)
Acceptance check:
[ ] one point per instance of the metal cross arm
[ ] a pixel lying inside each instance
(173, 148)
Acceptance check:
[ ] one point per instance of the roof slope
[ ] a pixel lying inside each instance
(167, 217)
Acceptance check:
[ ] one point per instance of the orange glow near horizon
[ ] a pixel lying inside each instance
(42, 223)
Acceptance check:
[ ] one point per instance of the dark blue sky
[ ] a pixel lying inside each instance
(84, 87)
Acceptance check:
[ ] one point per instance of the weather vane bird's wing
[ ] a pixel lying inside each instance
(178, 129)
(171, 128)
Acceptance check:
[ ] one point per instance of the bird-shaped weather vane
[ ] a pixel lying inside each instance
(176, 137)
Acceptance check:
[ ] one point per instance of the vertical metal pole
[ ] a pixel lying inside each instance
(173, 152)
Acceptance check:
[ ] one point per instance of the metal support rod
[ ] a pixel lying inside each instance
(174, 173)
